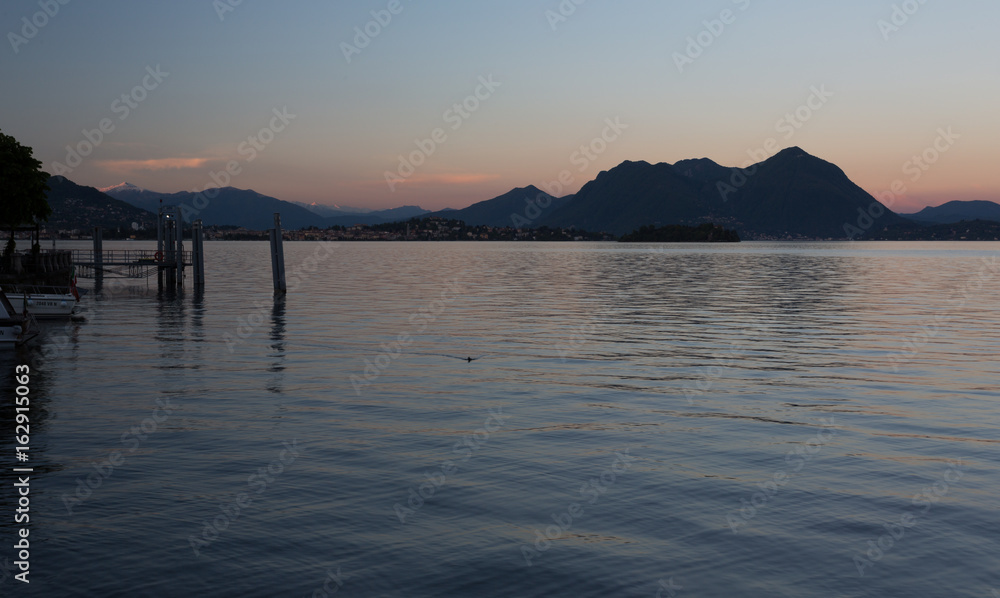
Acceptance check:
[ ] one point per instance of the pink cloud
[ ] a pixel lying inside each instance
(126, 166)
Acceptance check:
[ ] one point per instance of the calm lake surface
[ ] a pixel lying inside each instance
(762, 419)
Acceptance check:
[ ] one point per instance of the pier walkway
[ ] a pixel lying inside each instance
(127, 263)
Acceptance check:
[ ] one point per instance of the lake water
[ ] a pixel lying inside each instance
(762, 419)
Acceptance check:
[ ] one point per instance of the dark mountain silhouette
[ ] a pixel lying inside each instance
(75, 207)
(135, 195)
(382, 216)
(703, 169)
(228, 207)
(513, 208)
(796, 194)
(957, 211)
(334, 210)
(636, 194)
(791, 195)
(247, 208)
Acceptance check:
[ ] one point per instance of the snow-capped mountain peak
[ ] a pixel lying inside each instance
(122, 188)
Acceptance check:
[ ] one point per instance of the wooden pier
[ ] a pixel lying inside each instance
(167, 261)
(137, 263)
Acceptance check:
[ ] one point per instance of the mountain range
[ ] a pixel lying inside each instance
(958, 211)
(790, 195)
(334, 210)
(248, 209)
(513, 208)
(75, 207)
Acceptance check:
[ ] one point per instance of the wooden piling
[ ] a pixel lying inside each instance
(98, 253)
(179, 259)
(277, 257)
(198, 254)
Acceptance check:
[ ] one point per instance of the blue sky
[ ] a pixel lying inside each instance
(886, 92)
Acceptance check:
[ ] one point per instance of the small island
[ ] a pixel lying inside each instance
(704, 233)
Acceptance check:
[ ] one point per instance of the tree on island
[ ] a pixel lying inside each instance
(22, 189)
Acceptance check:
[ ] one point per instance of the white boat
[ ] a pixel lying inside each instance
(42, 301)
(13, 326)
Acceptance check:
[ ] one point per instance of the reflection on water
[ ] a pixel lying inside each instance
(277, 344)
(781, 404)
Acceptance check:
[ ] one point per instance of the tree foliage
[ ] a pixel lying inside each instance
(22, 185)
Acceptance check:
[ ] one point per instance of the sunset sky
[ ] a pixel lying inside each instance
(200, 77)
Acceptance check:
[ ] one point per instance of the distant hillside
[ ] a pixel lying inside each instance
(957, 211)
(703, 170)
(136, 196)
(636, 194)
(327, 211)
(230, 207)
(510, 209)
(790, 195)
(252, 210)
(794, 193)
(379, 217)
(976, 230)
(82, 208)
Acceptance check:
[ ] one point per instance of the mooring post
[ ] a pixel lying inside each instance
(198, 254)
(277, 257)
(98, 253)
(160, 237)
(167, 253)
(179, 263)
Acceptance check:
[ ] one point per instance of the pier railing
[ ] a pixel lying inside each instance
(126, 263)
(128, 257)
